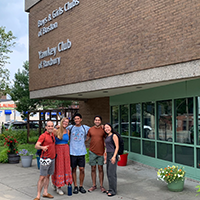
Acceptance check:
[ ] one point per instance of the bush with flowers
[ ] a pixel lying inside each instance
(170, 174)
(12, 145)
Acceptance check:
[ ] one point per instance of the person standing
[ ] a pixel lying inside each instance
(96, 152)
(46, 143)
(78, 135)
(62, 174)
(112, 147)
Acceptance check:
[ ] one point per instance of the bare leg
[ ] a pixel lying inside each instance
(74, 176)
(93, 175)
(101, 174)
(81, 175)
(40, 186)
(46, 184)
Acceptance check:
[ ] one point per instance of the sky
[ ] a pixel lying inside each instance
(15, 19)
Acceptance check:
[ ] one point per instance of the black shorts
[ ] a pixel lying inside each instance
(77, 161)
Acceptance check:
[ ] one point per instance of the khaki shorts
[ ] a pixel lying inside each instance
(95, 159)
(48, 169)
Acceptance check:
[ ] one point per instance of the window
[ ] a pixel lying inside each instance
(149, 120)
(115, 120)
(184, 155)
(164, 151)
(135, 145)
(135, 120)
(184, 120)
(165, 120)
(124, 120)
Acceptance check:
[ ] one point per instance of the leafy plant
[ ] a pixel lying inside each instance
(6, 42)
(25, 152)
(20, 135)
(12, 144)
(198, 186)
(33, 139)
(87, 156)
(170, 174)
(21, 96)
(4, 156)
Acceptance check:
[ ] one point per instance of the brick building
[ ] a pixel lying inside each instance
(136, 63)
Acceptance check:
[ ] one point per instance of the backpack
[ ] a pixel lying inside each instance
(121, 143)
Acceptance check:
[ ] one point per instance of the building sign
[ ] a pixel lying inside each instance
(62, 46)
(55, 13)
(7, 106)
(52, 52)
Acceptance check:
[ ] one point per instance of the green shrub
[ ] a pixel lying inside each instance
(87, 156)
(34, 133)
(4, 156)
(33, 139)
(20, 135)
(2, 140)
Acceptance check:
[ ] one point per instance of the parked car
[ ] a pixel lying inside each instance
(19, 125)
(6, 125)
(135, 128)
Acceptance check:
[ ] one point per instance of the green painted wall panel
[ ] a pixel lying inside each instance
(178, 90)
(158, 163)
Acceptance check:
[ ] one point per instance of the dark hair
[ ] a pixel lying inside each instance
(78, 115)
(98, 117)
(112, 130)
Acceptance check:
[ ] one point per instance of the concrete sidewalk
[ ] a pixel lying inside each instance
(135, 181)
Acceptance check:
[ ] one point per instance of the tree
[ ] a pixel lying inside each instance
(20, 94)
(5, 45)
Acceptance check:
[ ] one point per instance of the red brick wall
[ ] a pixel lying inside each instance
(92, 107)
(114, 37)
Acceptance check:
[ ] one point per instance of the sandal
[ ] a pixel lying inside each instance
(110, 194)
(47, 196)
(103, 190)
(92, 188)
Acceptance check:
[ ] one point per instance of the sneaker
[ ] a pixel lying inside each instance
(82, 190)
(75, 191)
(59, 191)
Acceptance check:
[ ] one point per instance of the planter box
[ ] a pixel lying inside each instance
(176, 186)
(26, 161)
(13, 158)
(123, 160)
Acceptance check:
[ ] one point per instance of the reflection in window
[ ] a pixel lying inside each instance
(165, 120)
(135, 120)
(149, 120)
(184, 120)
(115, 120)
(124, 120)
